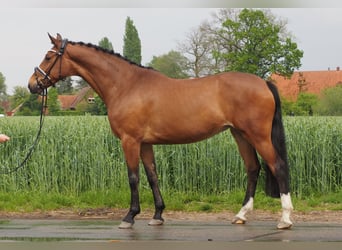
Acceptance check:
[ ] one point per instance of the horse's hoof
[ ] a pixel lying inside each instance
(284, 225)
(125, 225)
(238, 221)
(156, 222)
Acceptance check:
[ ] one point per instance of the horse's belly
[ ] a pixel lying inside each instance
(185, 135)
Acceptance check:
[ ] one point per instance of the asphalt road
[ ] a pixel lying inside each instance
(97, 234)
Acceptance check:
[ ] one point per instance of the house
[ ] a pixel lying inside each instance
(70, 102)
(83, 97)
(307, 81)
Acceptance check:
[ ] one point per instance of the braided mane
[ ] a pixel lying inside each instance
(111, 52)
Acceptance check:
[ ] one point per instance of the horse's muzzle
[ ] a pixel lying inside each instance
(34, 88)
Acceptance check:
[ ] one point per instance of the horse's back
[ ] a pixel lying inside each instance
(243, 95)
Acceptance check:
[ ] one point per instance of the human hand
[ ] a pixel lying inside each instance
(3, 138)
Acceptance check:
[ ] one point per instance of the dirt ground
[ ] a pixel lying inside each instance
(118, 214)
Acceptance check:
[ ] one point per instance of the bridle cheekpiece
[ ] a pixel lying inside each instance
(46, 81)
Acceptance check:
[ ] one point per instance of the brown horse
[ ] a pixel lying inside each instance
(145, 107)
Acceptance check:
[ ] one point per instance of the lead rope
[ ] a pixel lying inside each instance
(35, 142)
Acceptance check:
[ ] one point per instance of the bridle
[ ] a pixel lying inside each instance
(46, 81)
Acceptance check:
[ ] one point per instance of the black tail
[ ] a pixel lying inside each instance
(278, 141)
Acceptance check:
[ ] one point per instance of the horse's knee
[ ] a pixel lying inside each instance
(133, 179)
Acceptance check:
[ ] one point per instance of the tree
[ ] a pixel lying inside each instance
(106, 44)
(20, 95)
(305, 103)
(258, 44)
(80, 84)
(172, 64)
(53, 103)
(132, 44)
(203, 45)
(218, 40)
(31, 106)
(196, 48)
(3, 88)
(253, 41)
(65, 86)
(288, 106)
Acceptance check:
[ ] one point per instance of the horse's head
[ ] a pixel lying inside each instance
(51, 68)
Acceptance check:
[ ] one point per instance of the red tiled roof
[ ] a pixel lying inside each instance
(66, 101)
(80, 95)
(308, 81)
(70, 101)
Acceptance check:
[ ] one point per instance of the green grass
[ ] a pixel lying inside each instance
(176, 201)
(79, 163)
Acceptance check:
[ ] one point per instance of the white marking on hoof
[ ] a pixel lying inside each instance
(155, 222)
(125, 225)
(240, 218)
(286, 204)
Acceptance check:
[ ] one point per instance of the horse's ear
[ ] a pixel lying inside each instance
(53, 40)
(59, 37)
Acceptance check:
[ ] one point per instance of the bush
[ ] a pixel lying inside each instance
(330, 102)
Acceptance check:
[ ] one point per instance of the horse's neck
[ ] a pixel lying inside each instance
(105, 73)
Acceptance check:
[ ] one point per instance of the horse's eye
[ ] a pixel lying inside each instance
(47, 58)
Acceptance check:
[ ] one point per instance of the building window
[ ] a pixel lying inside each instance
(91, 100)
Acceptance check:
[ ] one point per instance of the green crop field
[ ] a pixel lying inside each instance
(79, 154)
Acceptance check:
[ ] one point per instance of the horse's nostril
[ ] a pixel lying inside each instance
(33, 89)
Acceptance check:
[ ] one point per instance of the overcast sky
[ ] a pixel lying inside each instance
(24, 39)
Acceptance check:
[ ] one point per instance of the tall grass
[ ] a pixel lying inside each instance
(315, 153)
(79, 154)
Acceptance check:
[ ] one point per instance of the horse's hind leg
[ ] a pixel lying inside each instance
(280, 171)
(252, 164)
(148, 160)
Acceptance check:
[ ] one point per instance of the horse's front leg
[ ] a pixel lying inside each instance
(147, 157)
(131, 150)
